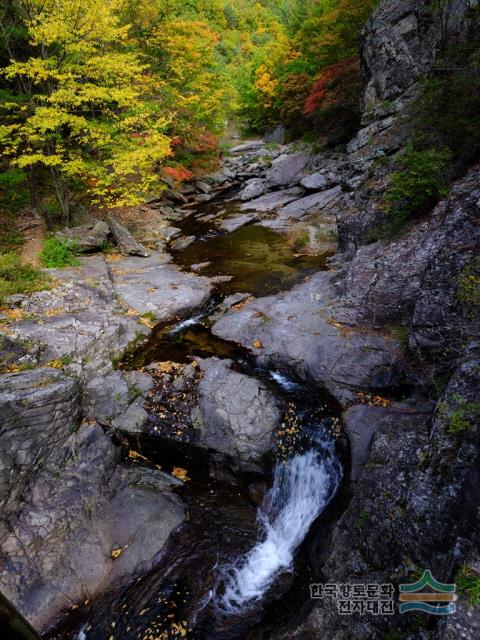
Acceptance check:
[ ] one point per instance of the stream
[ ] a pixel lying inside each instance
(241, 563)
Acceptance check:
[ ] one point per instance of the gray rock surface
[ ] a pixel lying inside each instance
(237, 415)
(88, 237)
(254, 189)
(298, 209)
(295, 329)
(273, 201)
(287, 169)
(161, 289)
(83, 524)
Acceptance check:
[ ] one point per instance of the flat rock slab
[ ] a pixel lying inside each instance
(77, 319)
(151, 286)
(273, 201)
(250, 145)
(295, 329)
(298, 209)
(236, 222)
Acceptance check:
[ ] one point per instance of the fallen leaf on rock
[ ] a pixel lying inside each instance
(257, 344)
(181, 474)
(116, 553)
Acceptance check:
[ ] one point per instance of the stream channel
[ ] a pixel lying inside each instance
(241, 563)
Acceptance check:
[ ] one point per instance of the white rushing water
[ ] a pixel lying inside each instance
(184, 324)
(302, 489)
(283, 381)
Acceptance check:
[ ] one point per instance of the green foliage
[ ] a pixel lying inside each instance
(362, 519)
(57, 254)
(463, 417)
(416, 187)
(16, 277)
(469, 286)
(468, 584)
(447, 114)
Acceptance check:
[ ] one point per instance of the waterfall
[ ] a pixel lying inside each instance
(303, 486)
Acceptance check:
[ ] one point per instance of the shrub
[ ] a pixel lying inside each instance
(468, 585)
(447, 114)
(57, 254)
(416, 188)
(469, 286)
(16, 277)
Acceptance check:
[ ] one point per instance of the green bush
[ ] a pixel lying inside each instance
(447, 114)
(416, 187)
(16, 277)
(468, 585)
(57, 254)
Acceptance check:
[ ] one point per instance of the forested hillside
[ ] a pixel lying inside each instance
(102, 101)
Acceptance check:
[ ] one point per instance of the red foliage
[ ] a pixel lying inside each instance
(338, 86)
(179, 173)
(206, 142)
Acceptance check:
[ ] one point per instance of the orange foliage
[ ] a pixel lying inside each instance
(179, 173)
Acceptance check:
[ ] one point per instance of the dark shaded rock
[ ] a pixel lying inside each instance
(88, 237)
(84, 524)
(174, 196)
(124, 239)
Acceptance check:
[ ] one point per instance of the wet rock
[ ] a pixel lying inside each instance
(237, 415)
(88, 237)
(295, 329)
(174, 196)
(287, 169)
(124, 239)
(182, 243)
(85, 524)
(414, 507)
(272, 201)
(134, 419)
(299, 209)
(148, 286)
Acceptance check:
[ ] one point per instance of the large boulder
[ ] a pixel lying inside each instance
(87, 237)
(237, 415)
(295, 329)
(85, 524)
(254, 189)
(287, 169)
(273, 201)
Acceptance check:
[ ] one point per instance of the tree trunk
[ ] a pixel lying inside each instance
(63, 196)
(36, 198)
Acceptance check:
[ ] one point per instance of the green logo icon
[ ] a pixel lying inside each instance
(438, 600)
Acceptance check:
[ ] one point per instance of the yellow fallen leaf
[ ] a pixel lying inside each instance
(256, 344)
(116, 553)
(181, 474)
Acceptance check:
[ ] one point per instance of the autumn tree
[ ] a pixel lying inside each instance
(80, 113)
